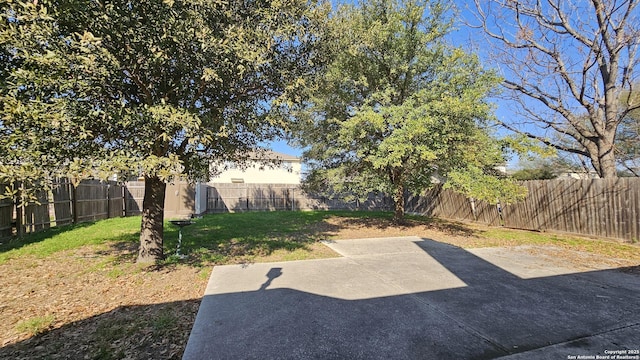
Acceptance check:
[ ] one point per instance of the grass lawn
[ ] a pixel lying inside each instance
(76, 291)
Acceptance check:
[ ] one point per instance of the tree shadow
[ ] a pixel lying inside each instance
(495, 313)
(233, 237)
(121, 251)
(155, 331)
(384, 220)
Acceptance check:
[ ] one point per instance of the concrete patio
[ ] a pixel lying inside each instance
(413, 298)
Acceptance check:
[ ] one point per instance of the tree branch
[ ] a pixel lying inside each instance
(545, 141)
(136, 79)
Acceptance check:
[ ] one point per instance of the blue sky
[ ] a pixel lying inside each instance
(283, 147)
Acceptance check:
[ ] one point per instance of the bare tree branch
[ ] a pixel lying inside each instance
(576, 67)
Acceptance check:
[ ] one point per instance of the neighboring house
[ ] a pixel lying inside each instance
(501, 169)
(581, 175)
(266, 168)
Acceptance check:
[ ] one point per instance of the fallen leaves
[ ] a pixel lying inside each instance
(91, 313)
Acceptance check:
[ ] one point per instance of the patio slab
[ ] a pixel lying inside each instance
(413, 298)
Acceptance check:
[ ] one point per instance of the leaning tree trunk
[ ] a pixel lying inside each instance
(152, 229)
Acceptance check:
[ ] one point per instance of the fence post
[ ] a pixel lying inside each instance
(473, 208)
(19, 204)
(206, 201)
(500, 218)
(74, 202)
(108, 200)
(19, 216)
(123, 192)
(126, 194)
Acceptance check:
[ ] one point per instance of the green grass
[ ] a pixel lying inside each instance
(245, 237)
(62, 238)
(36, 325)
(610, 248)
(214, 238)
(221, 238)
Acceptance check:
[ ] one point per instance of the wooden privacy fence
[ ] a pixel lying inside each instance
(266, 197)
(448, 204)
(64, 204)
(179, 201)
(90, 200)
(6, 216)
(133, 196)
(595, 207)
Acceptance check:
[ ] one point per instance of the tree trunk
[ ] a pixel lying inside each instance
(398, 202)
(607, 160)
(152, 228)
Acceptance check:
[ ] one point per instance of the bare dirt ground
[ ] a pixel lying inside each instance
(94, 309)
(96, 303)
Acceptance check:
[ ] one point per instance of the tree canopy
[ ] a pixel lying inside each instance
(42, 130)
(397, 107)
(541, 169)
(157, 87)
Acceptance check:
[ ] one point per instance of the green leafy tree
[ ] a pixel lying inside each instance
(41, 129)
(397, 106)
(542, 173)
(171, 86)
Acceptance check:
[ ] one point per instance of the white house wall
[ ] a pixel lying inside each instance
(286, 173)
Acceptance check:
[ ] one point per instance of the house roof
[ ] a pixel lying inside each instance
(273, 155)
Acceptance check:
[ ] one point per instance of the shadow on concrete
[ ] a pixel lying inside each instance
(495, 314)
(271, 275)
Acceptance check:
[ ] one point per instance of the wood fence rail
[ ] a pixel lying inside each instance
(64, 204)
(595, 207)
(269, 197)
